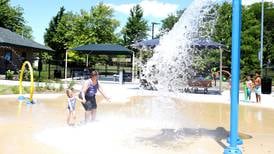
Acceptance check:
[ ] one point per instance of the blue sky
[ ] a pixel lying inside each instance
(39, 13)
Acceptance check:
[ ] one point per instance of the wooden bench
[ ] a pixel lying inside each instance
(194, 85)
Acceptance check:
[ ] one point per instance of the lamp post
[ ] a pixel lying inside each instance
(66, 65)
(262, 38)
(152, 29)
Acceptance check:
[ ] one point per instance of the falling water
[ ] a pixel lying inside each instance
(172, 61)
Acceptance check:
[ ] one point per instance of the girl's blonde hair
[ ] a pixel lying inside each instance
(68, 91)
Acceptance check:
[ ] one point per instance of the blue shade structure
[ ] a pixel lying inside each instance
(103, 49)
(199, 43)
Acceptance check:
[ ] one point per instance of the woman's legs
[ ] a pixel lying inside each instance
(93, 114)
(90, 107)
(87, 116)
(90, 115)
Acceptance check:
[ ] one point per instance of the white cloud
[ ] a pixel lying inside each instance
(153, 8)
(248, 2)
(123, 8)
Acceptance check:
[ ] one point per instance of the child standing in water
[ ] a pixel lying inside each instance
(71, 107)
(257, 89)
(249, 85)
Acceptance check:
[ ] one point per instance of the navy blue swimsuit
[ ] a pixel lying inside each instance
(90, 96)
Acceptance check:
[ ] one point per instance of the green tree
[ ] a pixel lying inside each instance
(51, 36)
(249, 37)
(104, 24)
(223, 30)
(136, 27)
(250, 42)
(94, 26)
(168, 22)
(12, 19)
(25, 31)
(268, 50)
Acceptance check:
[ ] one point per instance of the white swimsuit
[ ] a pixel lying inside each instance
(71, 103)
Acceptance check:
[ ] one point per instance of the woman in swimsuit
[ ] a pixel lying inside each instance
(89, 96)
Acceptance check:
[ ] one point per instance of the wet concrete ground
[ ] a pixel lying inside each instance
(142, 125)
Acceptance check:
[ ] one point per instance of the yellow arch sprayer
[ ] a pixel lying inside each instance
(21, 98)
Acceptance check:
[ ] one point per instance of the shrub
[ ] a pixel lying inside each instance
(9, 74)
(26, 75)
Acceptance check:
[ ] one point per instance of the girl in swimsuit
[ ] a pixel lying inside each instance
(71, 107)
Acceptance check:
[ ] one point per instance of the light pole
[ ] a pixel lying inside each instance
(262, 38)
(66, 66)
(152, 29)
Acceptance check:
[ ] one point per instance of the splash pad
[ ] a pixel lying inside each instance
(156, 126)
(150, 124)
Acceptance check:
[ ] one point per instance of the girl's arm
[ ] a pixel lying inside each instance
(78, 99)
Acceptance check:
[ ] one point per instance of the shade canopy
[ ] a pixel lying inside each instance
(146, 44)
(199, 43)
(205, 43)
(103, 49)
(9, 38)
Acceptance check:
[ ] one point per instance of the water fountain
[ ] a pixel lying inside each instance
(172, 62)
(160, 124)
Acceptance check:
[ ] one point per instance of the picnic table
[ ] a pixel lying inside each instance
(197, 83)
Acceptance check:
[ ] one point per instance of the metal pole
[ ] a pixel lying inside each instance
(221, 70)
(49, 70)
(87, 61)
(262, 38)
(40, 66)
(66, 65)
(152, 35)
(236, 36)
(152, 29)
(132, 76)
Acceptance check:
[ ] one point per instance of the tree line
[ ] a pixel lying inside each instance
(69, 29)
(250, 35)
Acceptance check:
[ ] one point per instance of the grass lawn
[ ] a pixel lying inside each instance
(5, 89)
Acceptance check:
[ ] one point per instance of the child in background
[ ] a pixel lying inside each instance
(71, 107)
(257, 89)
(249, 85)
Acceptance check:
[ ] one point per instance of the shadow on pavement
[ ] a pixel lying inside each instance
(174, 135)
